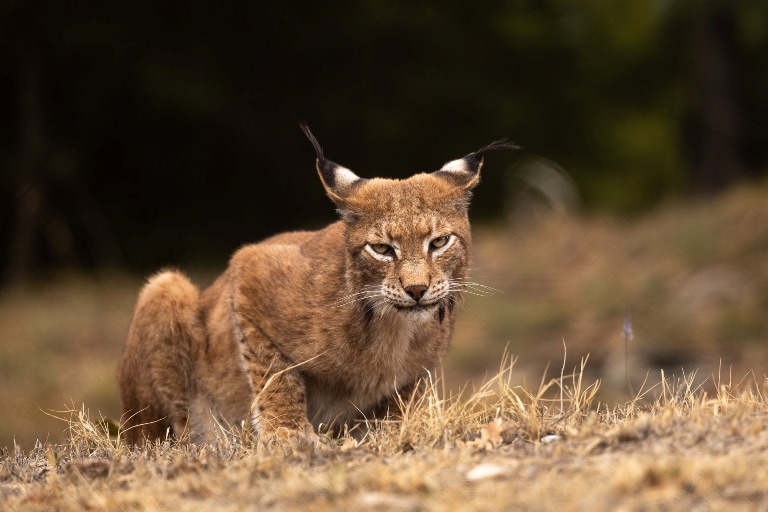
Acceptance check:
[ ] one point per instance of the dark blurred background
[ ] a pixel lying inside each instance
(136, 135)
(148, 133)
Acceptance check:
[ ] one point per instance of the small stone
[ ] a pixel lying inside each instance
(485, 471)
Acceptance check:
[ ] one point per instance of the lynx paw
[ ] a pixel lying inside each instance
(291, 439)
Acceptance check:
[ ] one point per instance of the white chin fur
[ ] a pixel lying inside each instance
(417, 309)
(420, 314)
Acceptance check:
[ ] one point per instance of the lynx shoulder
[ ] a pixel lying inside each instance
(307, 330)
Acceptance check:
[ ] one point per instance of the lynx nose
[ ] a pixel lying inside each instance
(416, 291)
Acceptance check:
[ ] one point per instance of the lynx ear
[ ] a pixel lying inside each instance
(337, 180)
(465, 172)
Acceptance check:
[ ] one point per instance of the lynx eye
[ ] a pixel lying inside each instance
(439, 242)
(382, 249)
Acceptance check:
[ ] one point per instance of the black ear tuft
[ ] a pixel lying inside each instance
(339, 181)
(311, 136)
(325, 167)
(465, 171)
(475, 160)
(498, 145)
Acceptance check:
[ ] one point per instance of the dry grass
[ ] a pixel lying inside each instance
(501, 447)
(694, 276)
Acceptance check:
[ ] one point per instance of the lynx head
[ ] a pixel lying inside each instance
(408, 241)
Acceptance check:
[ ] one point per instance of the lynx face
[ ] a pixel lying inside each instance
(408, 242)
(412, 262)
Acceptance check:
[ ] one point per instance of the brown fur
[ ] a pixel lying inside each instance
(307, 328)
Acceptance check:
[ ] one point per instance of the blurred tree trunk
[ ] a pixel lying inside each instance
(715, 126)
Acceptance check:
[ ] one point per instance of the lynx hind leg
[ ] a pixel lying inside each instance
(156, 371)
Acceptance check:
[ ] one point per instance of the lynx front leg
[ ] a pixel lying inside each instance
(279, 407)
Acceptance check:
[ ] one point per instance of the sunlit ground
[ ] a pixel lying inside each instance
(693, 276)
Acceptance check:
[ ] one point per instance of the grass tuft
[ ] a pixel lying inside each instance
(555, 446)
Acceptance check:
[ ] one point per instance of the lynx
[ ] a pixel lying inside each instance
(307, 330)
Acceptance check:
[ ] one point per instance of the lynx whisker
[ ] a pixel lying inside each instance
(472, 284)
(381, 307)
(476, 293)
(358, 299)
(467, 288)
(367, 290)
(470, 287)
(385, 308)
(453, 300)
(356, 296)
(483, 286)
(372, 289)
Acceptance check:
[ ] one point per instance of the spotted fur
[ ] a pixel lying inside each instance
(308, 328)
